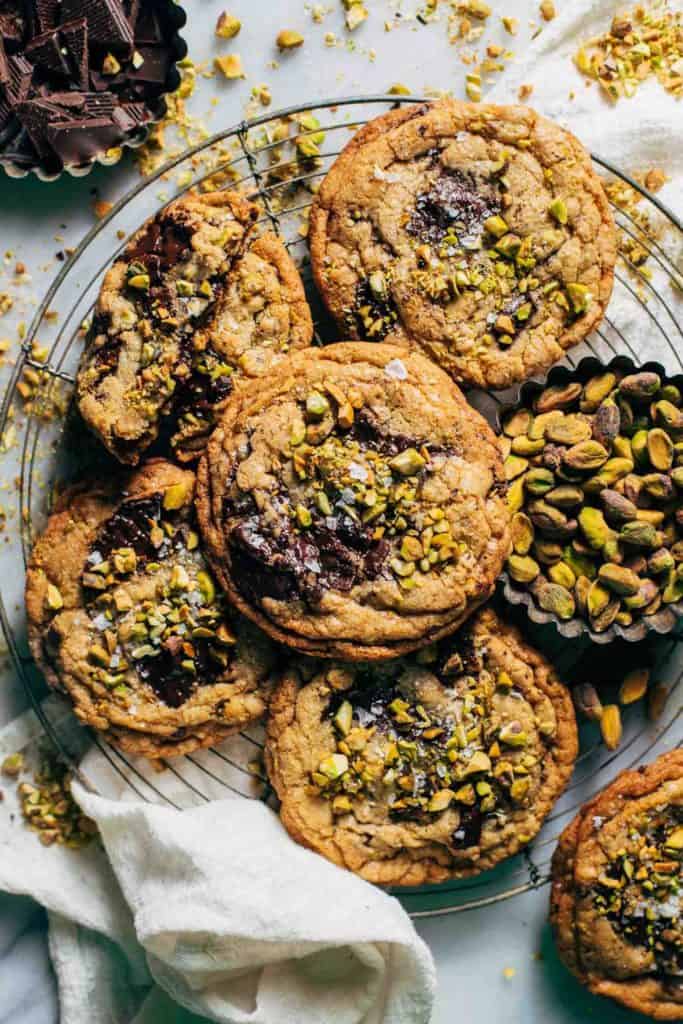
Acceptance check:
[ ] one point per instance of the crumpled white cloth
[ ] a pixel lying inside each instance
(216, 907)
(213, 913)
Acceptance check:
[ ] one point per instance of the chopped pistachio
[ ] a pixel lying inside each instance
(288, 39)
(230, 66)
(227, 25)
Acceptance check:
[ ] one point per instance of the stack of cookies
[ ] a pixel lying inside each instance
(327, 562)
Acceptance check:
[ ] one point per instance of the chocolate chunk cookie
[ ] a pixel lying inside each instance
(354, 505)
(616, 902)
(191, 306)
(477, 234)
(424, 768)
(125, 618)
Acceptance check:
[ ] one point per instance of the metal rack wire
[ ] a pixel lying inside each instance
(641, 322)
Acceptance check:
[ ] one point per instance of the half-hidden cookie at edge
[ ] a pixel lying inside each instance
(354, 505)
(429, 767)
(617, 903)
(193, 305)
(125, 618)
(477, 234)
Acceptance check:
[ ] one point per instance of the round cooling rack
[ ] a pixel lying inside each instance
(641, 322)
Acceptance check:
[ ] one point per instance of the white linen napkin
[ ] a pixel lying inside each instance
(215, 906)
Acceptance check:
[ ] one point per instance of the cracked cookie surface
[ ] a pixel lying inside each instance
(424, 768)
(477, 234)
(354, 506)
(125, 618)
(194, 305)
(616, 903)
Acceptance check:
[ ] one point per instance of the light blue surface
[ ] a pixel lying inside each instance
(471, 949)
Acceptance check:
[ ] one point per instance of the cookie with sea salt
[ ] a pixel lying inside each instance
(479, 235)
(428, 767)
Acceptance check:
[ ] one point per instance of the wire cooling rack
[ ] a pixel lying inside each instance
(641, 322)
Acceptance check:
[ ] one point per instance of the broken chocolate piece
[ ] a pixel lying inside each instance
(156, 60)
(81, 140)
(45, 52)
(107, 24)
(46, 14)
(20, 75)
(4, 67)
(75, 38)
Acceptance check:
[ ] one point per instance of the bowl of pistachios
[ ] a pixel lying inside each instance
(594, 462)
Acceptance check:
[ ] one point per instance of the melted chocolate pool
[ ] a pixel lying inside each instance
(456, 201)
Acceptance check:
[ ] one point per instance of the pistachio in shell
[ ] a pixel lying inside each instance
(554, 598)
(639, 448)
(618, 509)
(527, 446)
(673, 591)
(538, 480)
(597, 599)
(564, 496)
(660, 561)
(587, 702)
(639, 534)
(515, 496)
(594, 528)
(561, 573)
(647, 592)
(612, 471)
(606, 423)
(581, 565)
(670, 393)
(677, 477)
(547, 551)
(517, 423)
(601, 622)
(581, 588)
(569, 430)
(658, 485)
(558, 396)
(666, 415)
(618, 579)
(514, 466)
(596, 390)
(640, 386)
(621, 446)
(541, 423)
(626, 414)
(660, 449)
(523, 568)
(522, 531)
(586, 455)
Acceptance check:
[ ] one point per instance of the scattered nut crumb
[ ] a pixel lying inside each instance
(524, 92)
(227, 26)
(288, 39)
(510, 25)
(101, 207)
(398, 89)
(547, 9)
(229, 66)
(13, 765)
(655, 179)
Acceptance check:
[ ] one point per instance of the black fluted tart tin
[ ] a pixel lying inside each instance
(664, 620)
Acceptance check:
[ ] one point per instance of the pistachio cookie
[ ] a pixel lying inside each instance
(477, 234)
(424, 768)
(616, 903)
(125, 618)
(191, 306)
(354, 505)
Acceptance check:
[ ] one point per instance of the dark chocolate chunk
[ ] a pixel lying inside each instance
(46, 13)
(4, 67)
(9, 124)
(75, 37)
(20, 150)
(107, 24)
(81, 140)
(35, 115)
(457, 201)
(131, 115)
(45, 52)
(147, 28)
(20, 78)
(156, 60)
(12, 24)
